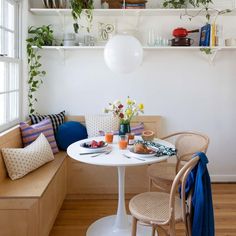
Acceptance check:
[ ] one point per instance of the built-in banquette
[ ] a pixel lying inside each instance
(29, 206)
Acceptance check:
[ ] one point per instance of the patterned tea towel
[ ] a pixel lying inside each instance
(160, 149)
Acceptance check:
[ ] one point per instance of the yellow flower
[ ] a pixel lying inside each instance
(128, 112)
(129, 101)
(141, 106)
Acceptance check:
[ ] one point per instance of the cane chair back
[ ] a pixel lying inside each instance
(158, 209)
(161, 175)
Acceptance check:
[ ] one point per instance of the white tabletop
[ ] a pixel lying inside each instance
(115, 157)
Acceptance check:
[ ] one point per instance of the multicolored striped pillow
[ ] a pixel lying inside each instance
(31, 132)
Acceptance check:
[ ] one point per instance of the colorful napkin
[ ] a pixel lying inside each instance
(161, 150)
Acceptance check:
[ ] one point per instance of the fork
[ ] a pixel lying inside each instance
(105, 153)
(138, 158)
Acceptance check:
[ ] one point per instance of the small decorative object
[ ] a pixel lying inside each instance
(123, 53)
(97, 4)
(89, 40)
(106, 31)
(69, 39)
(125, 115)
(105, 5)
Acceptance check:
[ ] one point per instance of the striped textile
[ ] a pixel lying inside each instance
(137, 130)
(31, 133)
(56, 119)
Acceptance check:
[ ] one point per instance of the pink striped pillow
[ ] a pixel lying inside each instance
(30, 133)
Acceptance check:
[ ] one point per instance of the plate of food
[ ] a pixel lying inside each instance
(141, 150)
(94, 146)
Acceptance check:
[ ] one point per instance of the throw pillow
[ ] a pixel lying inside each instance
(136, 129)
(70, 132)
(21, 161)
(31, 133)
(95, 123)
(56, 119)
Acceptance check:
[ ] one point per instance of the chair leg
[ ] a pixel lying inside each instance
(134, 226)
(150, 185)
(172, 229)
(153, 230)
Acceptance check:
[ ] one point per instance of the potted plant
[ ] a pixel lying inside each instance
(125, 114)
(79, 8)
(38, 37)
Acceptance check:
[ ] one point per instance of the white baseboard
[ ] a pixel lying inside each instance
(223, 178)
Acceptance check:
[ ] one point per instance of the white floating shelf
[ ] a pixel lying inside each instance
(124, 12)
(145, 48)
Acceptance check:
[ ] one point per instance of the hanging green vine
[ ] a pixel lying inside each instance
(39, 36)
(79, 8)
(175, 4)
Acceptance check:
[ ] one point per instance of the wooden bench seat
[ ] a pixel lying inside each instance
(35, 183)
(29, 205)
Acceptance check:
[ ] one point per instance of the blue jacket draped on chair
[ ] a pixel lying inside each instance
(203, 215)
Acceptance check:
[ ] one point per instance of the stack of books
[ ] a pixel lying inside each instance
(134, 4)
(211, 35)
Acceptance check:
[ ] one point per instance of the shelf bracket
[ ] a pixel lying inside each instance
(62, 53)
(210, 53)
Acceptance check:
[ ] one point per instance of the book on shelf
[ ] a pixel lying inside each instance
(211, 35)
(205, 34)
(134, 7)
(135, 4)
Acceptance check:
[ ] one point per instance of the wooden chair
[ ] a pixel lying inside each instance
(161, 175)
(160, 209)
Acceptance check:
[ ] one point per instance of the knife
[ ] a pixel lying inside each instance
(89, 153)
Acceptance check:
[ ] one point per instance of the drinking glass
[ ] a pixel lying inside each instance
(151, 38)
(109, 137)
(123, 141)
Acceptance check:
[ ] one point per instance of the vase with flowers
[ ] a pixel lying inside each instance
(125, 113)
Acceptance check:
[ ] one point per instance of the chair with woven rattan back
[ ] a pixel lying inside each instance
(161, 175)
(160, 209)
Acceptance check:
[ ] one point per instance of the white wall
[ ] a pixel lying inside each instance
(179, 85)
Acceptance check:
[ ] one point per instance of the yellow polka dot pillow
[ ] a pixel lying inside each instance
(21, 161)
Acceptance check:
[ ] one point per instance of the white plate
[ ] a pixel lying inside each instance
(132, 153)
(90, 149)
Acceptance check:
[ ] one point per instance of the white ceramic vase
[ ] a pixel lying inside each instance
(97, 4)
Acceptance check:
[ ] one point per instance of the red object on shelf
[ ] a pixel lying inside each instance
(182, 32)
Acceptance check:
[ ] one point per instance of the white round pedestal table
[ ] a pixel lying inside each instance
(119, 224)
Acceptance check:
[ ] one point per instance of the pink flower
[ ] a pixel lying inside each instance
(121, 115)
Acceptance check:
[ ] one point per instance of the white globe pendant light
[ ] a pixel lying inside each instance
(123, 53)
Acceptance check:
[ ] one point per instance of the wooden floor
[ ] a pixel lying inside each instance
(76, 215)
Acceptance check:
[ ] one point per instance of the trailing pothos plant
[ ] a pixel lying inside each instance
(202, 4)
(38, 37)
(79, 8)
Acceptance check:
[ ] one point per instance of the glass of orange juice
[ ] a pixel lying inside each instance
(109, 137)
(123, 141)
